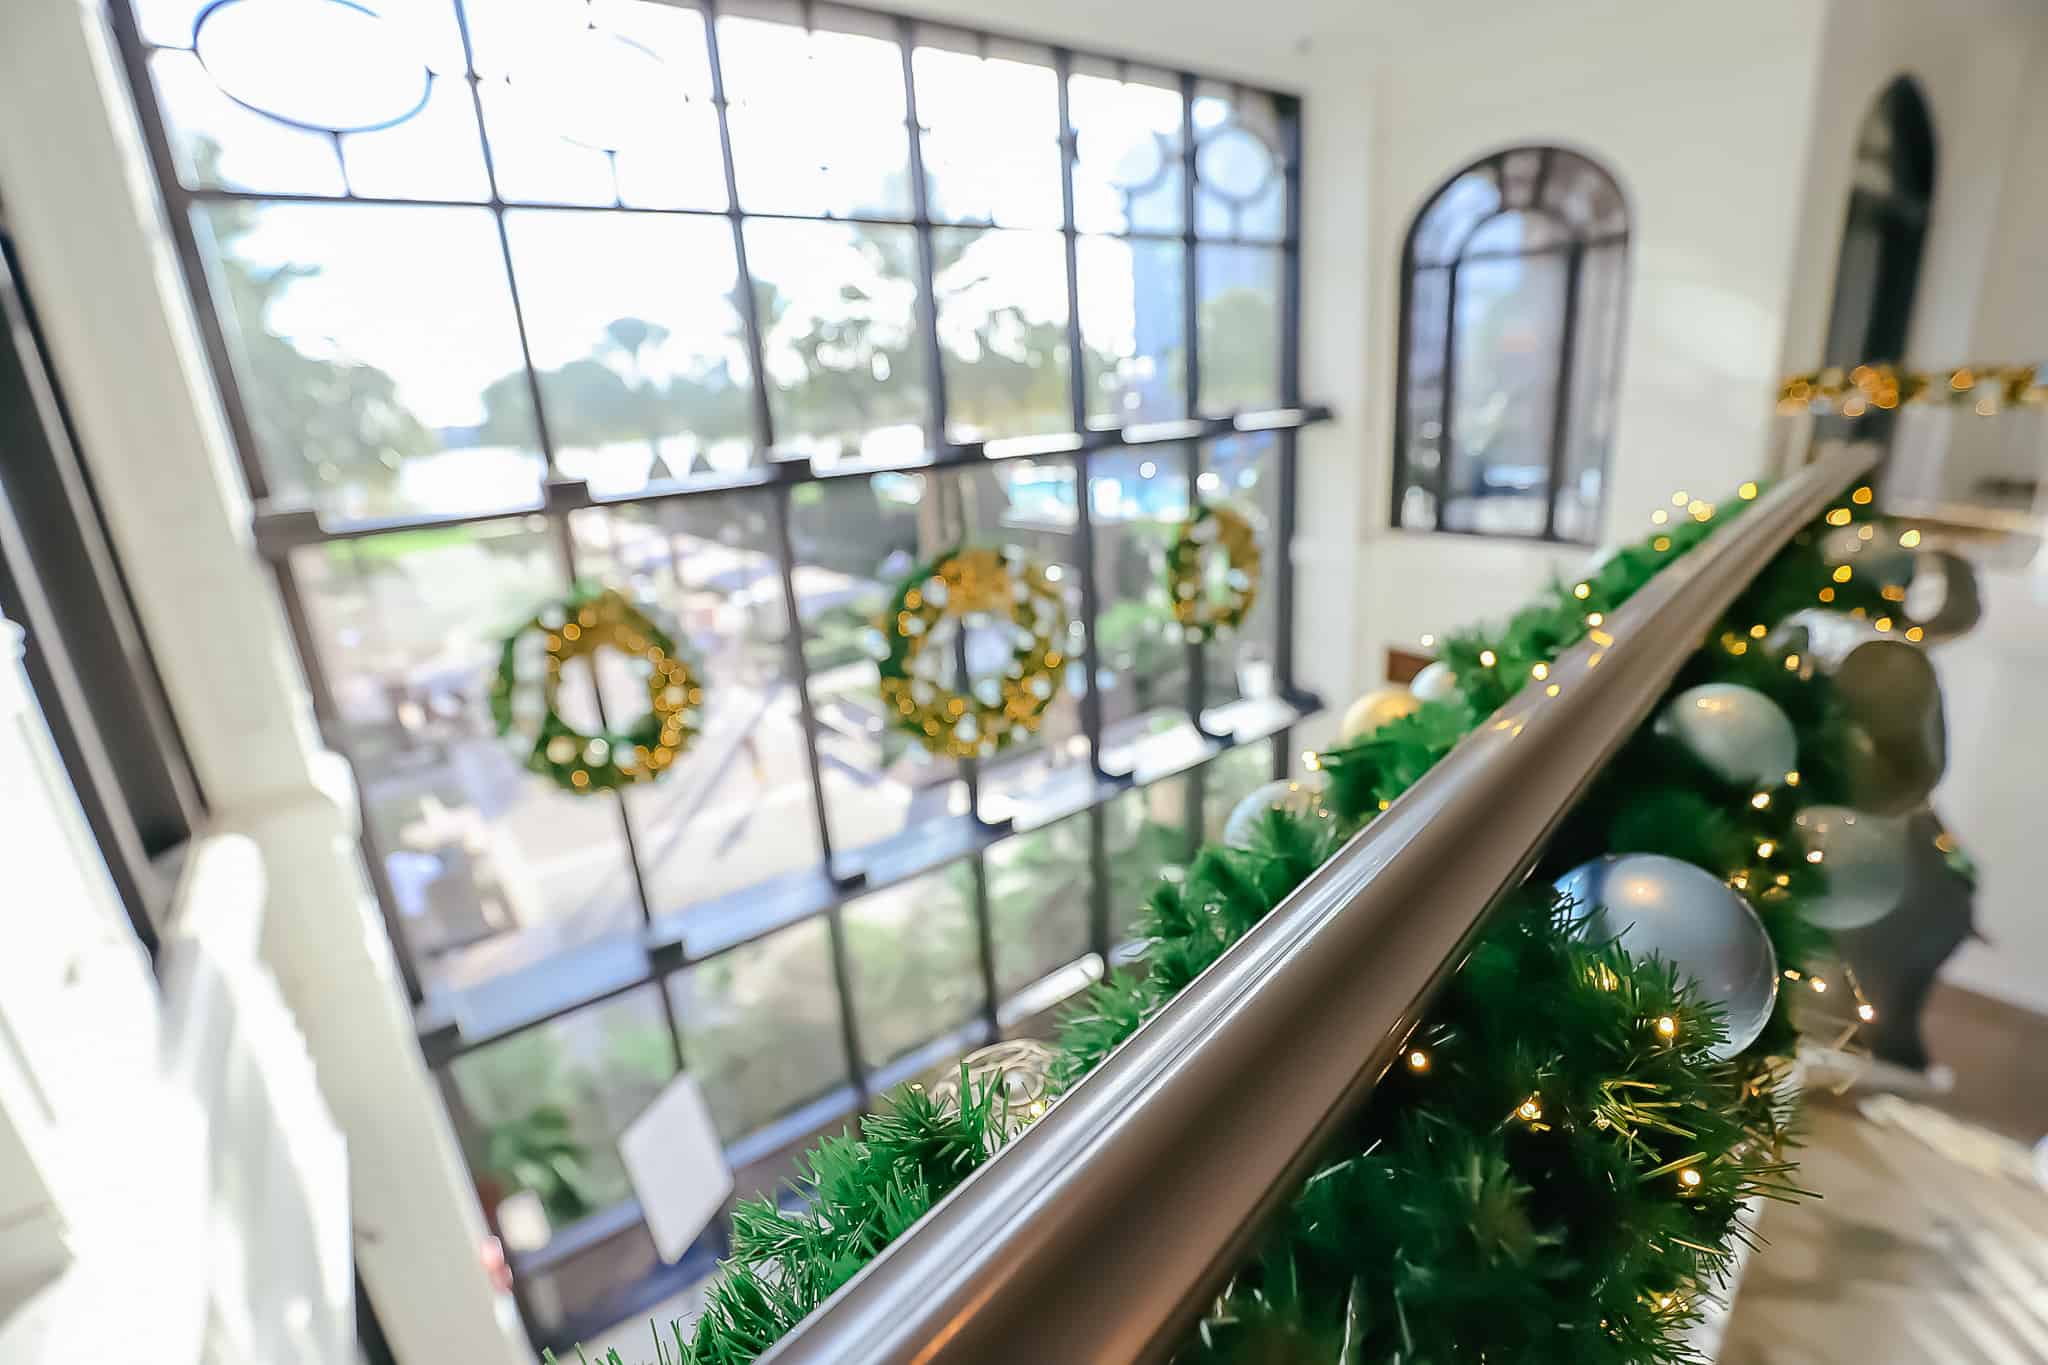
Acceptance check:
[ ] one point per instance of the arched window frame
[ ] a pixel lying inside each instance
(1579, 235)
(1891, 198)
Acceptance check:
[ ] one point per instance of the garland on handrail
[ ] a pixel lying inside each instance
(1558, 1167)
(1854, 391)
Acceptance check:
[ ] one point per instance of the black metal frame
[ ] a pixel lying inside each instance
(92, 672)
(1574, 250)
(667, 943)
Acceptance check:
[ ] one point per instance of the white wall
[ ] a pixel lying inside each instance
(1301, 48)
(1697, 113)
(1969, 59)
(1992, 678)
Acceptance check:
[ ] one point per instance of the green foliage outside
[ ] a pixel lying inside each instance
(323, 424)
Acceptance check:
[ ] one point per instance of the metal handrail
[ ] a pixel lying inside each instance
(1104, 1230)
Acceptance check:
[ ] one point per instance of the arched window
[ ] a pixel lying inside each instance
(1889, 196)
(1513, 287)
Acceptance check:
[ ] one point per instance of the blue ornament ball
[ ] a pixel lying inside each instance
(1687, 916)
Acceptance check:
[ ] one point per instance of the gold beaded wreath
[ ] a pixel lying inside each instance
(588, 620)
(1200, 613)
(967, 584)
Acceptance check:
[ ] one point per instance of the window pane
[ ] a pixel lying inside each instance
(1242, 472)
(735, 811)
(846, 365)
(1455, 211)
(641, 354)
(1127, 167)
(1423, 423)
(991, 138)
(1510, 314)
(1002, 299)
(598, 105)
(915, 972)
(1596, 367)
(492, 868)
(1228, 779)
(817, 118)
(378, 356)
(1134, 328)
(1032, 505)
(1240, 188)
(596, 1069)
(1239, 321)
(1519, 172)
(1583, 195)
(1138, 499)
(1509, 233)
(221, 144)
(761, 1028)
(432, 155)
(605, 1282)
(855, 540)
(1145, 833)
(1038, 901)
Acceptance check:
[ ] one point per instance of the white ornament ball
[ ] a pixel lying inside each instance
(1375, 709)
(1737, 732)
(1687, 916)
(1299, 798)
(1435, 682)
(1863, 857)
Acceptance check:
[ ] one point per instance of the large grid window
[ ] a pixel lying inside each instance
(743, 310)
(1513, 290)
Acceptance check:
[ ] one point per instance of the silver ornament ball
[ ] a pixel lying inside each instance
(1435, 682)
(1299, 798)
(1863, 857)
(1685, 915)
(1737, 732)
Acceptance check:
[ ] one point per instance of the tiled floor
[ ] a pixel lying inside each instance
(1930, 1244)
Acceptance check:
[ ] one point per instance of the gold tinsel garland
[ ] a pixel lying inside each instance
(588, 620)
(1200, 613)
(1839, 392)
(972, 586)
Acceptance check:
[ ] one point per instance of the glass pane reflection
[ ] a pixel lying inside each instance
(378, 356)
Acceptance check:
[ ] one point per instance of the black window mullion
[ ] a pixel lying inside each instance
(835, 919)
(560, 520)
(1449, 388)
(1191, 330)
(1084, 514)
(1560, 416)
(927, 259)
(1084, 518)
(1290, 396)
(566, 542)
(749, 304)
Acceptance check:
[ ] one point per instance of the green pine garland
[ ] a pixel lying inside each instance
(1558, 1170)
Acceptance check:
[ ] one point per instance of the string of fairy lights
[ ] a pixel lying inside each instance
(2016, 385)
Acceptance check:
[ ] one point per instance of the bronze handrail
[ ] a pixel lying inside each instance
(1104, 1230)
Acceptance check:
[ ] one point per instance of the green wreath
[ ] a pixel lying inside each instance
(1203, 600)
(964, 584)
(523, 699)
